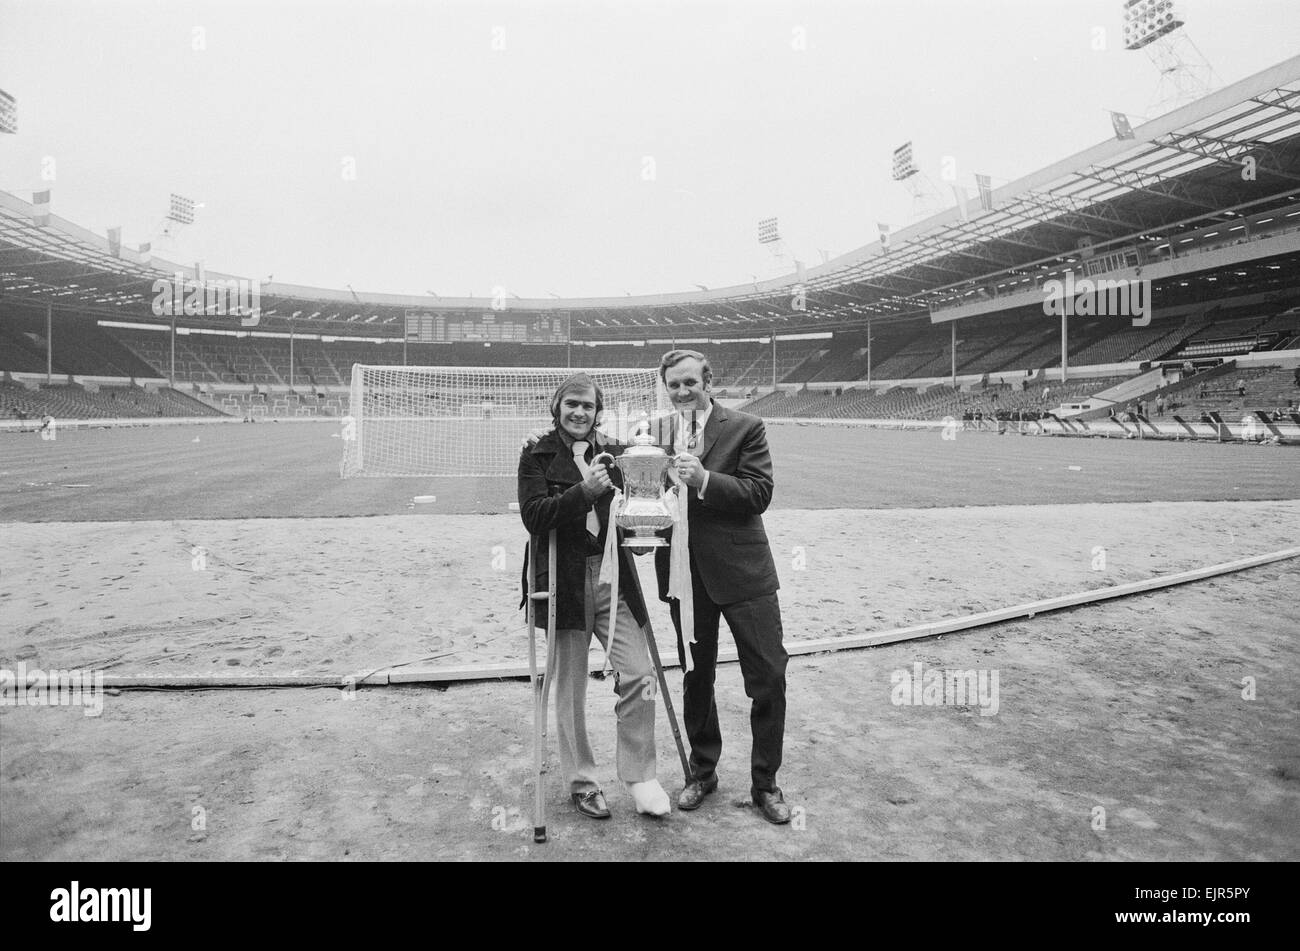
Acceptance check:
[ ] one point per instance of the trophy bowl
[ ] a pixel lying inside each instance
(641, 512)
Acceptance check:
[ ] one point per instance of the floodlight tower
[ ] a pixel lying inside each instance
(770, 235)
(179, 213)
(1185, 74)
(8, 113)
(925, 196)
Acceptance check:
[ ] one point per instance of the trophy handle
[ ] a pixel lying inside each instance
(615, 474)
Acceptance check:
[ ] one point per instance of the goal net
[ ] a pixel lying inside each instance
(469, 421)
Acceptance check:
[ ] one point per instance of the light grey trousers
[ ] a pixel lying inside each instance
(634, 684)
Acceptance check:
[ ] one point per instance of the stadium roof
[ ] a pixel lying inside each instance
(1179, 174)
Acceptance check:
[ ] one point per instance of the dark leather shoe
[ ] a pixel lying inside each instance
(772, 806)
(592, 804)
(693, 795)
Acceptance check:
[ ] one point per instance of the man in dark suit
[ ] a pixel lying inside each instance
(725, 466)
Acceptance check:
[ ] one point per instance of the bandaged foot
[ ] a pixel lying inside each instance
(650, 798)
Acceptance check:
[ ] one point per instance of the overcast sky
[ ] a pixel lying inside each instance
(579, 149)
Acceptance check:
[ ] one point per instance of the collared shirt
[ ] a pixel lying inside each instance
(684, 427)
(683, 436)
(594, 448)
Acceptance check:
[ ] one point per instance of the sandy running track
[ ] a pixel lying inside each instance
(1134, 708)
(344, 596)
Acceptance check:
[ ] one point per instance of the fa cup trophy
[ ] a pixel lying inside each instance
(642, 511)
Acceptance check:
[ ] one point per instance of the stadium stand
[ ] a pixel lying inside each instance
(246, 375)
(20, 353)
(1286, 324)
(1229, 335)
(729, 361)
(845, 357)
(1170, 342)
(935, 402)
(1012, 345)
(1267, 389)
(80, 347)
(1035, 398)
(284, 404)
(70, 401)
(1126, 343)
(790, 356)
(924, 353)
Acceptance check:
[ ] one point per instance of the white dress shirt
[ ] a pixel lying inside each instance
(683, 436)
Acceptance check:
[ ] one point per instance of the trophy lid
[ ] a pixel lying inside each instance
(641, 435)
(641, 449)
(643, 442)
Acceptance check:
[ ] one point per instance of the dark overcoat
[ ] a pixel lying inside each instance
(551, 497)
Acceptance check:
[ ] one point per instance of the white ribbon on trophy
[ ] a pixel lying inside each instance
(679, 564)
(642, 513)
(609, 575)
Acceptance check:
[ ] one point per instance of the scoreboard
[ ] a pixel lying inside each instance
(460, 326)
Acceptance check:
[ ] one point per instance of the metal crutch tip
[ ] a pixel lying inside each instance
(539, 833)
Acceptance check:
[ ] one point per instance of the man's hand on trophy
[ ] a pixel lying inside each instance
(689, 469)
(534, 437)
(597, 481)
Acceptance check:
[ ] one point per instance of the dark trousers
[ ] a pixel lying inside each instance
(756, 626)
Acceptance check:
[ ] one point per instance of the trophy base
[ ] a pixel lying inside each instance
(646, 543)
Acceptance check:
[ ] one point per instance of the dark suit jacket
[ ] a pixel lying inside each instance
(730, 553)
(551, 497)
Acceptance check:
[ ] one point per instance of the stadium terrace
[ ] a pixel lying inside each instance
(208, 298)
(1120, 298)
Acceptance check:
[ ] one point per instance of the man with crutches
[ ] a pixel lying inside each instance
(565, 495)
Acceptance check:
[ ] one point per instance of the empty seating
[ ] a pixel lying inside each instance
(73, 402)
(936, 402)
(229, 367)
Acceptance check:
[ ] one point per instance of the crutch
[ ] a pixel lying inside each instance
(539, 680)
(668, 700)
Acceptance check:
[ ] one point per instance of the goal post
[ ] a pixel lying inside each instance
(469, 421)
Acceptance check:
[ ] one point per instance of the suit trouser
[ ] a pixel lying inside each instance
(633, 673)
(756, 626)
